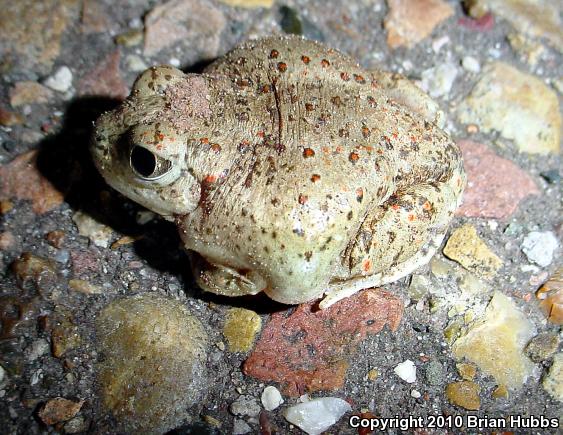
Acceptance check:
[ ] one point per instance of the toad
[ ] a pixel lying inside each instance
(287, 168)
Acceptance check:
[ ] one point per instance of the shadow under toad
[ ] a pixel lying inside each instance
(65, 160)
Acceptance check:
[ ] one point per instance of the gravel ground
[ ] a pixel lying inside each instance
(49, 346)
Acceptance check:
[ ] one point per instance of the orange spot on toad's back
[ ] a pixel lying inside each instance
(210, 179)
(308, 152)
(366, 265)
(411, 217)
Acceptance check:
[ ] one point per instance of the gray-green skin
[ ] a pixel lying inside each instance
(288, 169)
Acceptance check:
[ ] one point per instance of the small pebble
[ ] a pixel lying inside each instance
(135, 63)
(542, 346)
(464, 394)
(438, 43)
(406, 371)
(552, 176)
(317, 415)
(39, 348)
(500, 392)
(61, 80)
(174, 62)
(539, 247)
(241, 427)
(245, 405)
(435, 373)
(438, 81)
(469, 63)
(271, 398)
(144, 217)
(416, 394)
(3, 377)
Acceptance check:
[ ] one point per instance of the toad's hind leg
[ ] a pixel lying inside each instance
(394, 239)
(338, 291)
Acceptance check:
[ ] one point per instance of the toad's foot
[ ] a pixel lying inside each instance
(223, 280)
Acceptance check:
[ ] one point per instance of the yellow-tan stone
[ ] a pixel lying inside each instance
(496, 341)
(240, 329)
(540, 18)
(153, 366)
(553, 382)
(518, 105)
(466, 247)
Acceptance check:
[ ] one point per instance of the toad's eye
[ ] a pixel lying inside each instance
(148, 165)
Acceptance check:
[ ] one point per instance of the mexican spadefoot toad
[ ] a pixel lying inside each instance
(287, 168)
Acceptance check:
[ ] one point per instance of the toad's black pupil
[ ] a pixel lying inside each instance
(143, 161)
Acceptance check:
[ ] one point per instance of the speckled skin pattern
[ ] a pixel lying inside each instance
(288, 169)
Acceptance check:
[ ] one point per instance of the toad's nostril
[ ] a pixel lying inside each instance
(142, 161)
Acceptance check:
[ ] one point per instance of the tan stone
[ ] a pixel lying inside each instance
(466, 247)
(154, 362)
(59, 409)
(31, 31)
(198, 21)
(84, 287)
(22, 180)
(551, 296)
(539, 18)
(240, 329)
(495, 342)
(464, 394)
(466, 371)
(553, 382)
(410, 21)
(97, 232)
(249, 3)
(518, 105)
(530, 50)
(64, 335)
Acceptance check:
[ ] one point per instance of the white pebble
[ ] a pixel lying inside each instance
(469, 63)
(174, 62)
(438, 43)
(539, 247)
(144, 217)
(61, 81)
(438, 81)
(317, 415)
(135, 63)
(271, 398)
(406, 371)
(3, 377)
(416, 394)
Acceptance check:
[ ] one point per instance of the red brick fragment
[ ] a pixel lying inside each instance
(309, 350)
(105, 79)
(495, 186)
(483, 24)
(20, 179)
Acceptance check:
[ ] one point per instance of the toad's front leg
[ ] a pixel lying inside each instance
(223, 280)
